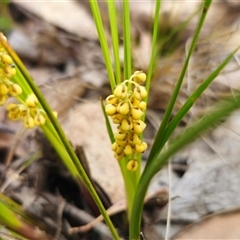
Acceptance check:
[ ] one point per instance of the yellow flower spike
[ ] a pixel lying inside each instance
(3, 99)
(32, 101)
(39, 120)
(111, 99)
(139, 77)
(140, 92)
(6, 59)
(121, 91)
(114, 146)
(126, 125)
(132, 165)
(119, 156)
(138, 126)
(128, 150)
(28, 122)
(141, 147)
(142, 105)
(15, 90)
(123, 108)
(4, 89)
(136, 113)
(120, 136)
(110, 109)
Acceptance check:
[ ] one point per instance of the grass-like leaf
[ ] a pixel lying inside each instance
(103, 41)
(158, 139)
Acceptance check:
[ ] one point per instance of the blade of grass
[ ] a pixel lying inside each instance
(103, 41)
(154, 48)
(192, 99)
(114, 31)
(158, 139)
(220, 112)
(127, 40)
(79, 172)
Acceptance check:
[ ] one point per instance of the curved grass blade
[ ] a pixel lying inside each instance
(158, 139)
(114, 31)
(103, 41)
(220, 112)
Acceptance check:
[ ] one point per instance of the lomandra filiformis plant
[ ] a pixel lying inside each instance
(126, 107)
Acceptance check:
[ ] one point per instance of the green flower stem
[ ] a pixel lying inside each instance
(158, 139)
(79, 172)
(130, 180)
(127, 40)
(114, 30)
(103, 41)
(220, 112)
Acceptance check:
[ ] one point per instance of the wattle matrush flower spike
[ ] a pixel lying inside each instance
(29, 111)
(126, 107)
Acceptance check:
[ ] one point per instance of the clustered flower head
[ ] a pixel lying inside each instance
(29, 111)
(126, 108)
(7, 71)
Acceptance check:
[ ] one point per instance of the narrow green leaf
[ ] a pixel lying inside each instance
(127, 40)
(115, 42)
(158, 139)
(103, 41)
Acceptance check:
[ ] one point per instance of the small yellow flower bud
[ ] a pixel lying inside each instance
(136, 113)
(119, 156)
(132, 165)
(119, 150)
(121, 143)
(135, 102)
(111, 99)
(126, 125)
(121, 91)
(123, 108)
(142, 105)
(15, 90)
(31, 101)
(139, 77)
(114, 146)
(117, 118)
(28, 122)
(134, 139)
(9, 71)
(138, 126)
(4, 89)
(128, 150)
(141, 147)
(3, 99)
(140, 92)
(39, 120)
(6, 59)
(110, 109)
(13, 108)
(120, 135)
(14, 116)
